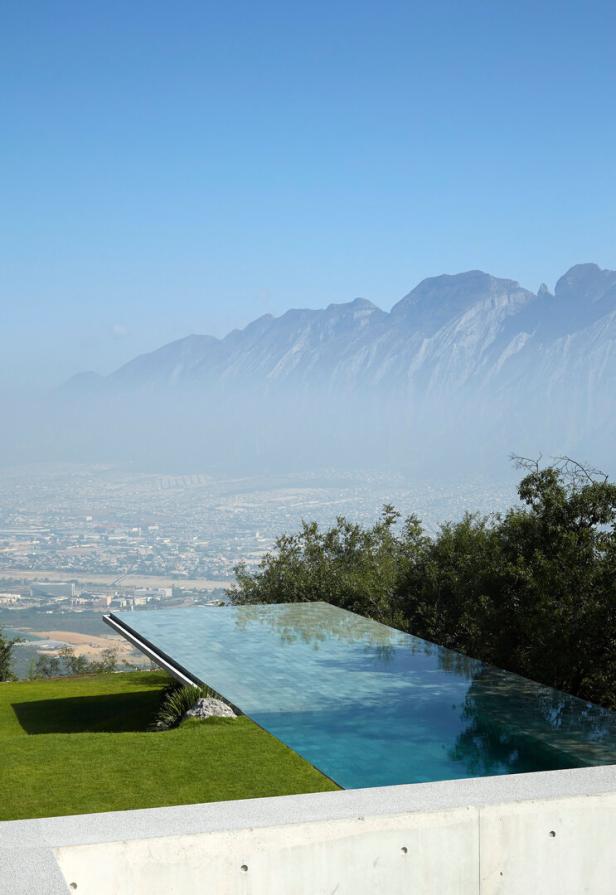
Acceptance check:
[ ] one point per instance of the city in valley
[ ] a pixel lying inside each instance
(79, 541)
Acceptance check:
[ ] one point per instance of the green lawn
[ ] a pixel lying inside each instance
(79, 745)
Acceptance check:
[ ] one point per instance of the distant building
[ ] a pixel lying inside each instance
(153, 593)
(53, 589)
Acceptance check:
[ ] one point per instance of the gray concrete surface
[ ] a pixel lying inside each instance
(491, 835)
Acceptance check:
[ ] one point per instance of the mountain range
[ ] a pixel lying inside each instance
(468, 332)
(465, 369)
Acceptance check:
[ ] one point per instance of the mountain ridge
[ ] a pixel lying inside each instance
(451, 333)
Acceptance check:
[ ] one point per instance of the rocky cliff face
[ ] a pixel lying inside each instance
(468, 332)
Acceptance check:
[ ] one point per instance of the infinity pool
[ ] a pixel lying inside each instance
(369, 705)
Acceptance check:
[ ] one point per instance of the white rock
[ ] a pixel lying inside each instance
(207, 707)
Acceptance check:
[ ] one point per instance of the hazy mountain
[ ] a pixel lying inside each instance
(470, 330)
(468, 365)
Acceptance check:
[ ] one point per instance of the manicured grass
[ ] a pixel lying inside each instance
(81, 745)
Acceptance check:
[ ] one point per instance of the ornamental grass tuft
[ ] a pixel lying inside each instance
(178, 700)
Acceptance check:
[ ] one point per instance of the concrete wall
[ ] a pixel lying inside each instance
(550, 834)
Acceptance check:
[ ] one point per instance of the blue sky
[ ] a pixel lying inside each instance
(169, 168)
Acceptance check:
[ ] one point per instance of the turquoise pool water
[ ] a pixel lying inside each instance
(371, 706)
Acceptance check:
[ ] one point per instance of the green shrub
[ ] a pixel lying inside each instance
(177, 701)
(6, 656)
(67, 663)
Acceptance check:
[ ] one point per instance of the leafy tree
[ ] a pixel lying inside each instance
(67, 663)
(557, 612)
(108, 661)
(353, 567)
(73, 664)
(533, 590)
(46, 666)
(6, 656)
(445, 592)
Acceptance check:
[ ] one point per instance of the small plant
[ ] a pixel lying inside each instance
(177, 701)
(6, 656)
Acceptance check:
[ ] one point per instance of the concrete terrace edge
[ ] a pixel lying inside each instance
(27, 857)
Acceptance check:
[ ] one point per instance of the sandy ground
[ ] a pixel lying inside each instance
(92, 645)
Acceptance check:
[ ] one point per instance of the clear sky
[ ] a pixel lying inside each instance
(176, 167)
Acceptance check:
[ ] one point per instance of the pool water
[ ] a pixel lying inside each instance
(369, 705)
